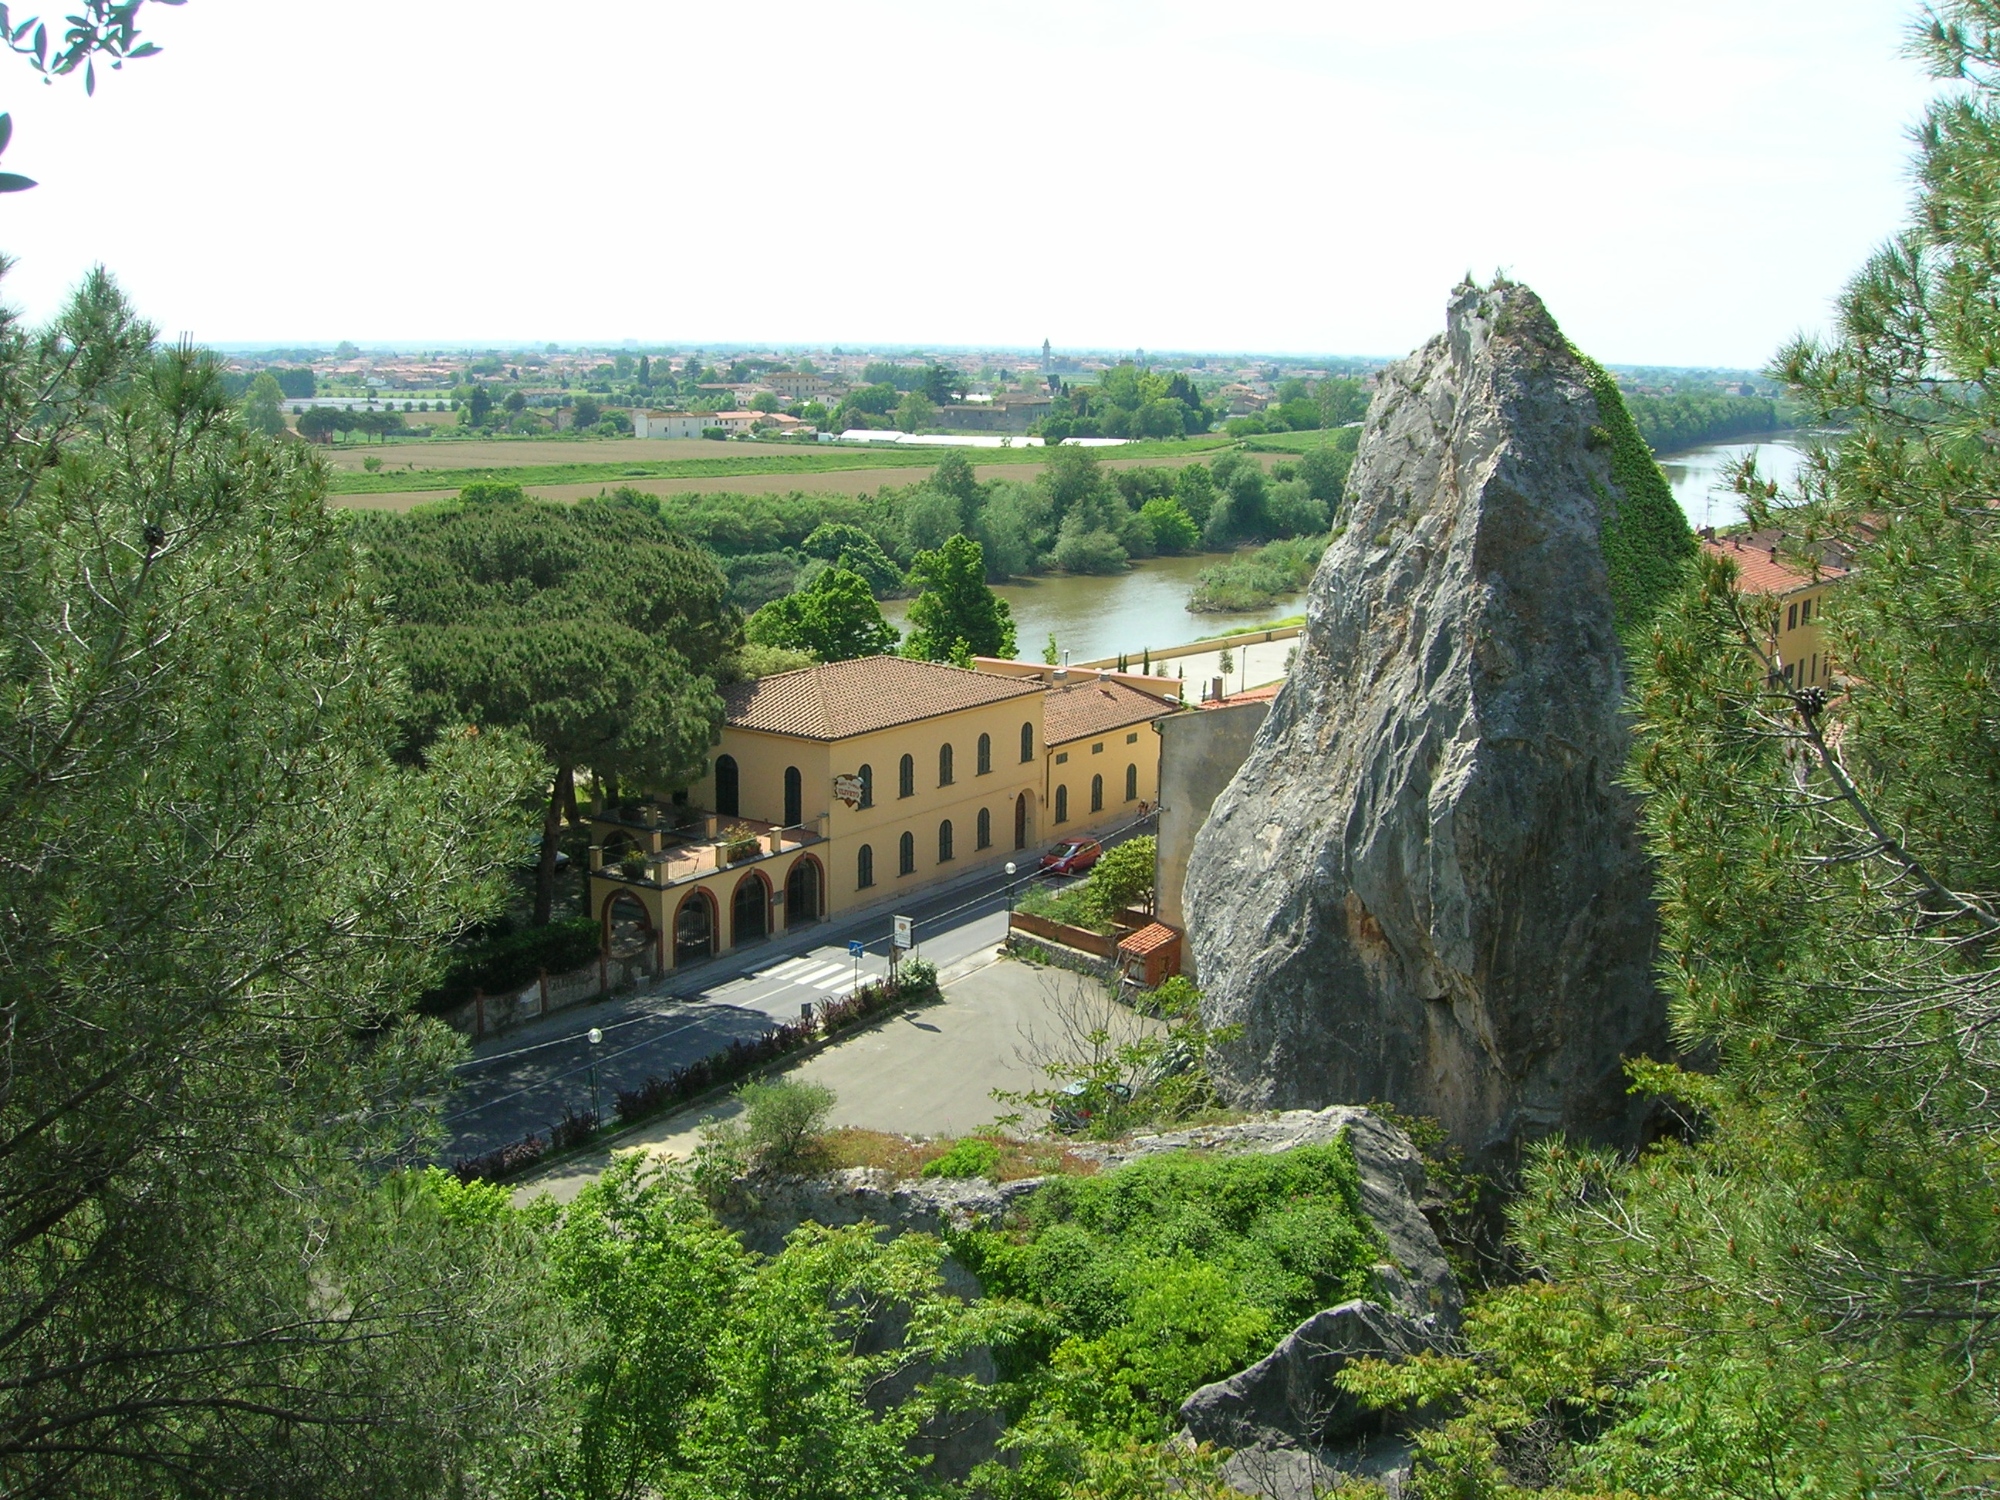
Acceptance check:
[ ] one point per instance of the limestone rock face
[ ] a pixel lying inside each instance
(1425, 884)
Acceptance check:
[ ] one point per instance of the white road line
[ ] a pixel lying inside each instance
(786, 969)
(816, 973)
(838, 982)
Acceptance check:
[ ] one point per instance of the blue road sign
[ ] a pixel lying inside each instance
(855, 947)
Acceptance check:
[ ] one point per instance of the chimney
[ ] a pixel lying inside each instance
(1103, 674)
(1774, 552)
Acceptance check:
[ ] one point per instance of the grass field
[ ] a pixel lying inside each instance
(568, 464)
(1298, 442)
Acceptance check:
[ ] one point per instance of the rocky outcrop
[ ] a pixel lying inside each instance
(1425, 884)
(1421, 1298)
(1289, 1398)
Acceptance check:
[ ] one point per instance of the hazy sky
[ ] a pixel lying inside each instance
(1685, 182)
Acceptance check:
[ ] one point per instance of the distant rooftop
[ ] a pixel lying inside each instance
(845, 698)
(1079, 709)
(1759, 568)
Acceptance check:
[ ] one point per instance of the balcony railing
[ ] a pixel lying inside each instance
(674, 845)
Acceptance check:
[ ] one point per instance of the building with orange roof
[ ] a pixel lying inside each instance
(1797, 645)
(1103, 757)
(830, 788)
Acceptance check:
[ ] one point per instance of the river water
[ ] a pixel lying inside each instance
(1697, 475)
(1141, 609)
(1146, 606)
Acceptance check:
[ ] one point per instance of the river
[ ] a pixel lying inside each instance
(1141, 609)
(1146, 606)
(1697, 475)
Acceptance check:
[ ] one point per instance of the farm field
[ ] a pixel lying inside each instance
(568, 466)
(829, 482)
(512, 453)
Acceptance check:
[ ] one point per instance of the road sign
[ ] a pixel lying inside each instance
(855, 947)
(903, 937)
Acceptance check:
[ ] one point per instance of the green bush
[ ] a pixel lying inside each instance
(1253, 580)
(971, 1157)
(1166, 1274)
(784, 1122)
(510, 960)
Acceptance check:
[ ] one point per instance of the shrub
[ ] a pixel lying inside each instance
(1172, 1271)
(783, 1122)
(971, 1157)
(698, 1077)
(509, 960)
(914, 977)
(573, 1129)
(491, 492)
(503, 1161)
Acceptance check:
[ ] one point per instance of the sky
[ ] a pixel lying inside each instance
(1685, 184)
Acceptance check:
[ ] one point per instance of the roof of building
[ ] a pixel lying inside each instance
(1262, 694)
(1077, 710)
(1759, 569)
(1153, 936)
(845, 698)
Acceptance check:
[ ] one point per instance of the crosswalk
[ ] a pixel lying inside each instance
(825, 975)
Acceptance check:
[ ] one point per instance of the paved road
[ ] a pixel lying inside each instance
(526, 1080)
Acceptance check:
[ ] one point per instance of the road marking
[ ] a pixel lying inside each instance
(816, 973)
(786, 969)
(838, 982)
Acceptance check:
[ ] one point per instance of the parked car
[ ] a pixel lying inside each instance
(1072, 857)
(1072, 1113)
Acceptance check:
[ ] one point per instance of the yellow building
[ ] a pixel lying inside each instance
(1103, 756)
(1798, 646)
(830, 788)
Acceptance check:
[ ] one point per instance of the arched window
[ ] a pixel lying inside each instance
(1062, 804)
(795, 797)
(725, 786)
(985, 833)
(1027, 742)
(985, 755)
(867, 786)
(906, 777)
(864, 867)
(944, 841)
(1131, 783)
(906, 854)
(1097, 794)
(944, 765)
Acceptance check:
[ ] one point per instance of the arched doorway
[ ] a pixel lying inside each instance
(749, 911)
(728, 796)
(1021, 821)
(795, 798)
(694, 928)
(802, 889)
(628, 926)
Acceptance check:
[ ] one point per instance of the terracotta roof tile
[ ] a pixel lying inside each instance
(1253, 695)
(1153, 935)
(846, 698)
(1077, 710)
(1758, 570)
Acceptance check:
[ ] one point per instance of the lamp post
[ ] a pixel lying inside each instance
(1010, 893)
(595, 1036)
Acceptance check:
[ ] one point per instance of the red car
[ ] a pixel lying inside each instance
(1072, 857)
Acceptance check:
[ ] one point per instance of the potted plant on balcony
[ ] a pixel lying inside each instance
(633, 864)
(738, 841)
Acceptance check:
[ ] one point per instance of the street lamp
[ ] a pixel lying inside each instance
(1010, 893)
(595, 1036)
